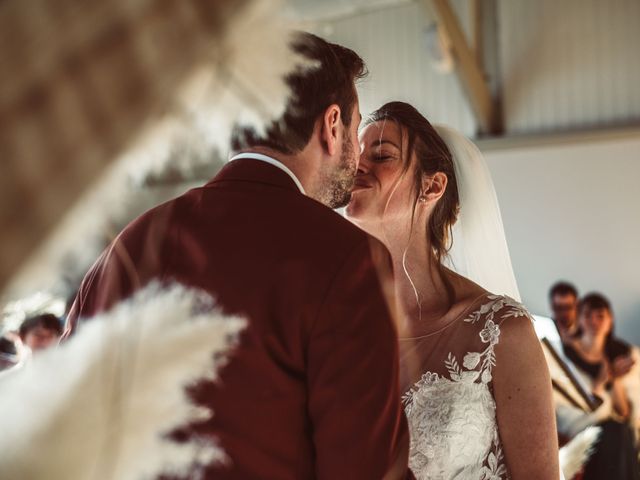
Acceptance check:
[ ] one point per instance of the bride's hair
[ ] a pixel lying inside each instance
(432, 156)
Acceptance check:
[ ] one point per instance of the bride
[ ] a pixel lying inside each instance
(478, 393)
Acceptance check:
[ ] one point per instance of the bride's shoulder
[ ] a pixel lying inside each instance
(507, 308)
(470, 293)
(514, 323)
(490, 309)
(501, 316)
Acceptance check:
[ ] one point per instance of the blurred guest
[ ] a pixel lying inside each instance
(564, 306)
(605, 360)
(575, 404)
(607, 364)
(40, 331)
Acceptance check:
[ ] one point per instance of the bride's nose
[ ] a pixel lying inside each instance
(363, 164)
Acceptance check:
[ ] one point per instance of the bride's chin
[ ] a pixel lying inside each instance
(353, 209)
(350, 211)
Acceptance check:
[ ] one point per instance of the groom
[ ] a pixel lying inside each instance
(312, 389)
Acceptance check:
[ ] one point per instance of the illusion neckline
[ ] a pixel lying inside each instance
(465, 313)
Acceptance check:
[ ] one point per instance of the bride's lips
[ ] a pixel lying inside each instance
(360, 184)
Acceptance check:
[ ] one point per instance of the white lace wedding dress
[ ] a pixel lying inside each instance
(451, 410)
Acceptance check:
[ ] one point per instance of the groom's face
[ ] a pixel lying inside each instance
(340, 178)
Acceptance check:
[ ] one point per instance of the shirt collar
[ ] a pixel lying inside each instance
(271, 161)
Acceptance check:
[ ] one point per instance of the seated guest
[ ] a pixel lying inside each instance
(575, 404)
(40, 331)
(607, 364)
(605, 361)
(564, 306)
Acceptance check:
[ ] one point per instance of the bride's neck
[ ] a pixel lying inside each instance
(420, 289)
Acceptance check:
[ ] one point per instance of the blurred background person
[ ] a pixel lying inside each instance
(40, 331)
(563, 297)
(606, 361)
(610, 367)
(575, 404)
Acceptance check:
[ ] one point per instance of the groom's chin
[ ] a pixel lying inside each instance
(342, 202)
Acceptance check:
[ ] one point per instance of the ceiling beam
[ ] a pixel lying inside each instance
(475, 12)
(467, 68)
(617, 133)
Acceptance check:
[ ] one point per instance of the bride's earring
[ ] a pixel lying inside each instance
(423, 196)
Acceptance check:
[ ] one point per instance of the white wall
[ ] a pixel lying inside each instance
(572, 211)
(568, 63)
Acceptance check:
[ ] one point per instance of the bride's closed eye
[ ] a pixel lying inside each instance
(381, 157)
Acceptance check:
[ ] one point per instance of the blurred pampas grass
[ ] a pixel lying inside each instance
(237, 75)
(100, 405)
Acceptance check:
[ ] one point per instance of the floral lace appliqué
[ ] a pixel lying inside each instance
(452, 419)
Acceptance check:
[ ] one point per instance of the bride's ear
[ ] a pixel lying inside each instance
(433, 187)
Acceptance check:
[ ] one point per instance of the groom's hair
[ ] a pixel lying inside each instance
(329, 80)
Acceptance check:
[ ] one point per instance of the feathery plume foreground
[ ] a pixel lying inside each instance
(575, 454)
(240, 79)
(100, 405)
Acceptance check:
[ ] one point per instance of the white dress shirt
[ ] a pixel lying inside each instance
(271, 161)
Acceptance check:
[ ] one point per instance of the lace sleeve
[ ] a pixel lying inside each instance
(490, 316)
(512, 309)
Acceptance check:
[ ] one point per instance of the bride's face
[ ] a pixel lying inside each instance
(384, 187)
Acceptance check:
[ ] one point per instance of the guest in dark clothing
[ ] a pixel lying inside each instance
(615, 456)
(605, 359)
(606, 363)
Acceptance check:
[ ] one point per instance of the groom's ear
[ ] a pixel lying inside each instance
(330, 132)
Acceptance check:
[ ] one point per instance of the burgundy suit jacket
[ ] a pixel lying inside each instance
(311, 392)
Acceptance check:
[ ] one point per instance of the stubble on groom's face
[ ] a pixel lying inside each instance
(338, 182)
